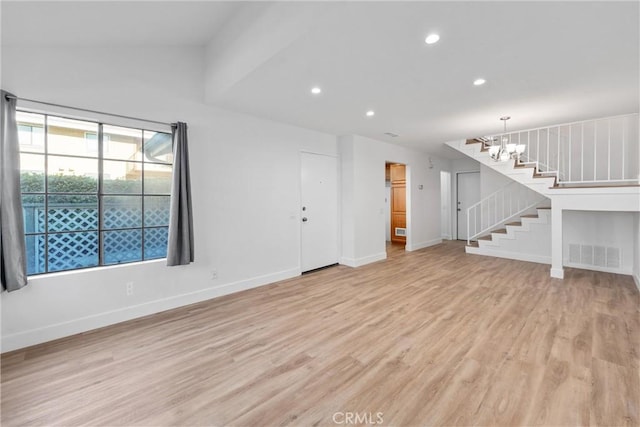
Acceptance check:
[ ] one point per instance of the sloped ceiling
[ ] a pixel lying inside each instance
(544, 62)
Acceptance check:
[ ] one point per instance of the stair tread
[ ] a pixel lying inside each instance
(544, 207)
(529, 216)
(485, 238)
(514, 224)
(500, 231)
(473, 245)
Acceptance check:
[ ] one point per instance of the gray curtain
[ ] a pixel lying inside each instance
(180, 245)
(13, 258)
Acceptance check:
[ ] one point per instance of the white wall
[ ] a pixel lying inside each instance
(245, 178)
(607, 229)
(363, 206)
(491, 181)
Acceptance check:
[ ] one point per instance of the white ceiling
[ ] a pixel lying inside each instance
(545, 62)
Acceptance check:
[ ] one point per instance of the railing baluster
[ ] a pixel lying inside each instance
(582, 154)
(609, 150)
(624, 131)
(595, 150)
(617, 141)
(538, 149)
(570, 152)
(558, 158)
(548, 160)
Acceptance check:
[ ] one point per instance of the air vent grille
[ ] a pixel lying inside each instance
(597, 256)
(391, 134)
(401, 231)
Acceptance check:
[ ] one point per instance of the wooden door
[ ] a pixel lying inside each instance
(398, 203)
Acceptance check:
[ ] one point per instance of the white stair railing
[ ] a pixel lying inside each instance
(500, 207)
(597, 151)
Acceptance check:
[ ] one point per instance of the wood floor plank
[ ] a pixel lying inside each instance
(432, 337)
(614, 395)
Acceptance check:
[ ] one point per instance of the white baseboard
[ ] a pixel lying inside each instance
(597, 268)
(88, 323)
(540, 259)
(422, 245)
(557, 273)
(636, 278)
(357, 262)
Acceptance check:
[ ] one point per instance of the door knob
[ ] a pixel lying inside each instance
(304, 219)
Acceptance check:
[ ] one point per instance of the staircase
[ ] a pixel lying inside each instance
(528, 239)
(589, 165)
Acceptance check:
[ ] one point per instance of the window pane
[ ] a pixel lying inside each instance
(155, 242)
(156, 210)
(33, 210)
(158, 147)
(35, 253)
(30, 131)
(72, 175)
(124, 143)
(122, 212)
(72, 212)
(122, 177)
(157, 179)
(68, 251)
(32, 173)
(74, 137)
(122, 246)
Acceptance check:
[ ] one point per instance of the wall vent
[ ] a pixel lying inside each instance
(391, 134)
(597, 256)
(401, 231)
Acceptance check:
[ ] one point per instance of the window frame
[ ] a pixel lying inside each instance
(99, 193)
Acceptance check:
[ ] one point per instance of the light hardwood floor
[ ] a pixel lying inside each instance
(434, 337)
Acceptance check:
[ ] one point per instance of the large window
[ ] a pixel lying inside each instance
(92, 193)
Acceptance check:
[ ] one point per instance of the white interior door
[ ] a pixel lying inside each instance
(445, 205)
(468, 194)
(319, 211)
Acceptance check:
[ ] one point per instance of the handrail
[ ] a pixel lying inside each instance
(499, 207)
(570, 123)
(603, 150)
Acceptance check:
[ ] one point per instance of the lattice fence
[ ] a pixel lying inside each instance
(69, 248)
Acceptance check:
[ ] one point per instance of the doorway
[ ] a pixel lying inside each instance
(468, 194)
(445, 205)
(396, 175)
(319, 211)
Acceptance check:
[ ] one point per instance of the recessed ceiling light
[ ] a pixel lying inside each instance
(371, 113)
(479, 82)
(316, 90)
(432, 38)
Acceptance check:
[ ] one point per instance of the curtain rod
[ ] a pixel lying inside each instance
(87, 110)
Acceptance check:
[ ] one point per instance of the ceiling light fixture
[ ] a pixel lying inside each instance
(370, 113)
(432, 38)
(479, 82)
(506, 149)
(316, 90)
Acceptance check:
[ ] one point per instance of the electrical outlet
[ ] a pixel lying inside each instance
(129, 288)
(214, 274)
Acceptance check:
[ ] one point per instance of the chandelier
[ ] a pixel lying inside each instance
(506, 149)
